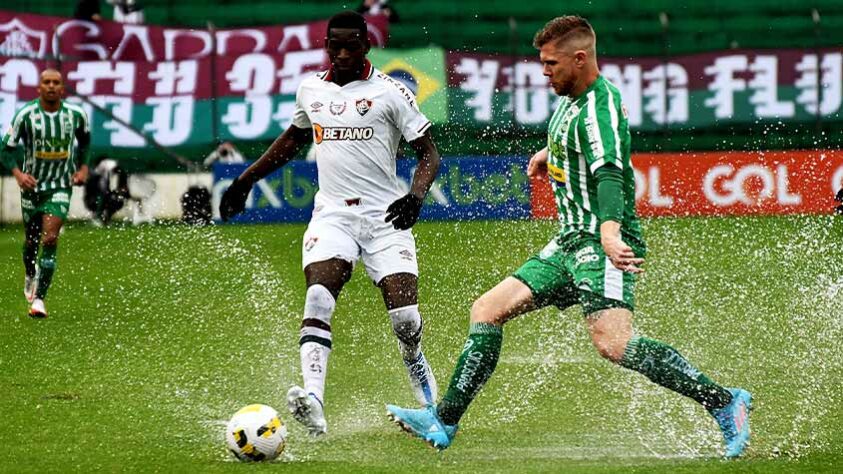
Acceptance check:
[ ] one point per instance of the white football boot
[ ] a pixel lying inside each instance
(37, 310)
(307, 410)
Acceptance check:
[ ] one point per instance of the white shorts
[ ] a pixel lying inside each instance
(353, 233)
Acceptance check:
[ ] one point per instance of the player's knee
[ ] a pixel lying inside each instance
(483, 311)
(319, 304)
(50, 239)
(610, 345)
(407, 324)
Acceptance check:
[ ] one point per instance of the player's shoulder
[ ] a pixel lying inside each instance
(605, 93)
(315, 80)
(75, 108)
(393, 87)
(603, 96)
(612, 92)
(28, 108)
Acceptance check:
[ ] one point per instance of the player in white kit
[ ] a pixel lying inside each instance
(356, 116)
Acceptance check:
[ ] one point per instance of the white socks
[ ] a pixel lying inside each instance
(315, 339)
(407, 326)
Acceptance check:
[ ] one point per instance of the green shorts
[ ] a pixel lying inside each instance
(55, 203)
(574, 270)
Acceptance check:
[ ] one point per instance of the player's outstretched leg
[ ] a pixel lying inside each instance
(611, 333)
(438, 425)
(665, 366)
(476, 364)
(424, 423)
(407, 326)
(306, 404)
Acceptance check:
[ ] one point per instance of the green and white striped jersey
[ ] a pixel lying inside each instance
(49, 155)
(583, 135)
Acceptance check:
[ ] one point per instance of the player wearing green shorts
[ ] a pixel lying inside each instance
(47, 126)
(593, 261)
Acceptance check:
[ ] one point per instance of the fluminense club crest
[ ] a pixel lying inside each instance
(363, 106)
(17, 39)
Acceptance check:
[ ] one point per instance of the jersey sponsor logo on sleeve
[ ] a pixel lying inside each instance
(341, 133)
(401, 88)
(363, 106)
(337, 109)
(591, 132)
(556, 173)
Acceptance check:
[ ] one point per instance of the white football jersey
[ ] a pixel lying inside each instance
(356, 131)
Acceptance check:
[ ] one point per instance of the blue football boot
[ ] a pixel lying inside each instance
(425, 424)
(733, 420)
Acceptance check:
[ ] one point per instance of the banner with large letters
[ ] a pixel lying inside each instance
(183, 86)
(162, 80)
(466, 188)
(725, 183)
(690, 91)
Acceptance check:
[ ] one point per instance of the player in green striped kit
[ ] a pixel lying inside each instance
(47, 127)
(592, 262)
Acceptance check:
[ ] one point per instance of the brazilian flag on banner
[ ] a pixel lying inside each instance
(423, 71)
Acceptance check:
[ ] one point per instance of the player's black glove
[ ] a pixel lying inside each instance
(404, 212)
(234, 199)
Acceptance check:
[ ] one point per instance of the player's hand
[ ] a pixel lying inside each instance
(27, 182)
(621, 255)
(233, 200)
(538, 164)
(80, 177)
(404, 212)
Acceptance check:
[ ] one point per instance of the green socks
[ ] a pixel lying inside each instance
(665, 366)
(46, 268)
(474, 367)
(30, 253)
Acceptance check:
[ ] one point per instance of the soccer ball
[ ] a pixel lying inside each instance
(255, 433)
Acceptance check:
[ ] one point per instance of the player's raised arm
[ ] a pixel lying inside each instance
(282, 150)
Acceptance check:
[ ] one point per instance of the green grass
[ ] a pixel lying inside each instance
(158, 334)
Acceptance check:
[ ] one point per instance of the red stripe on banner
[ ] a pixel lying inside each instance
(725, 183)
(541, 198)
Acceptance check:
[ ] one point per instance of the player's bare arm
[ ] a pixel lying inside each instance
(27, 182)
(404, 212)
(537, 166)
(282, 150)
(617, 250)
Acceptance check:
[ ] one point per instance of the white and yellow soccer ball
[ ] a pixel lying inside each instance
(256, 433)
